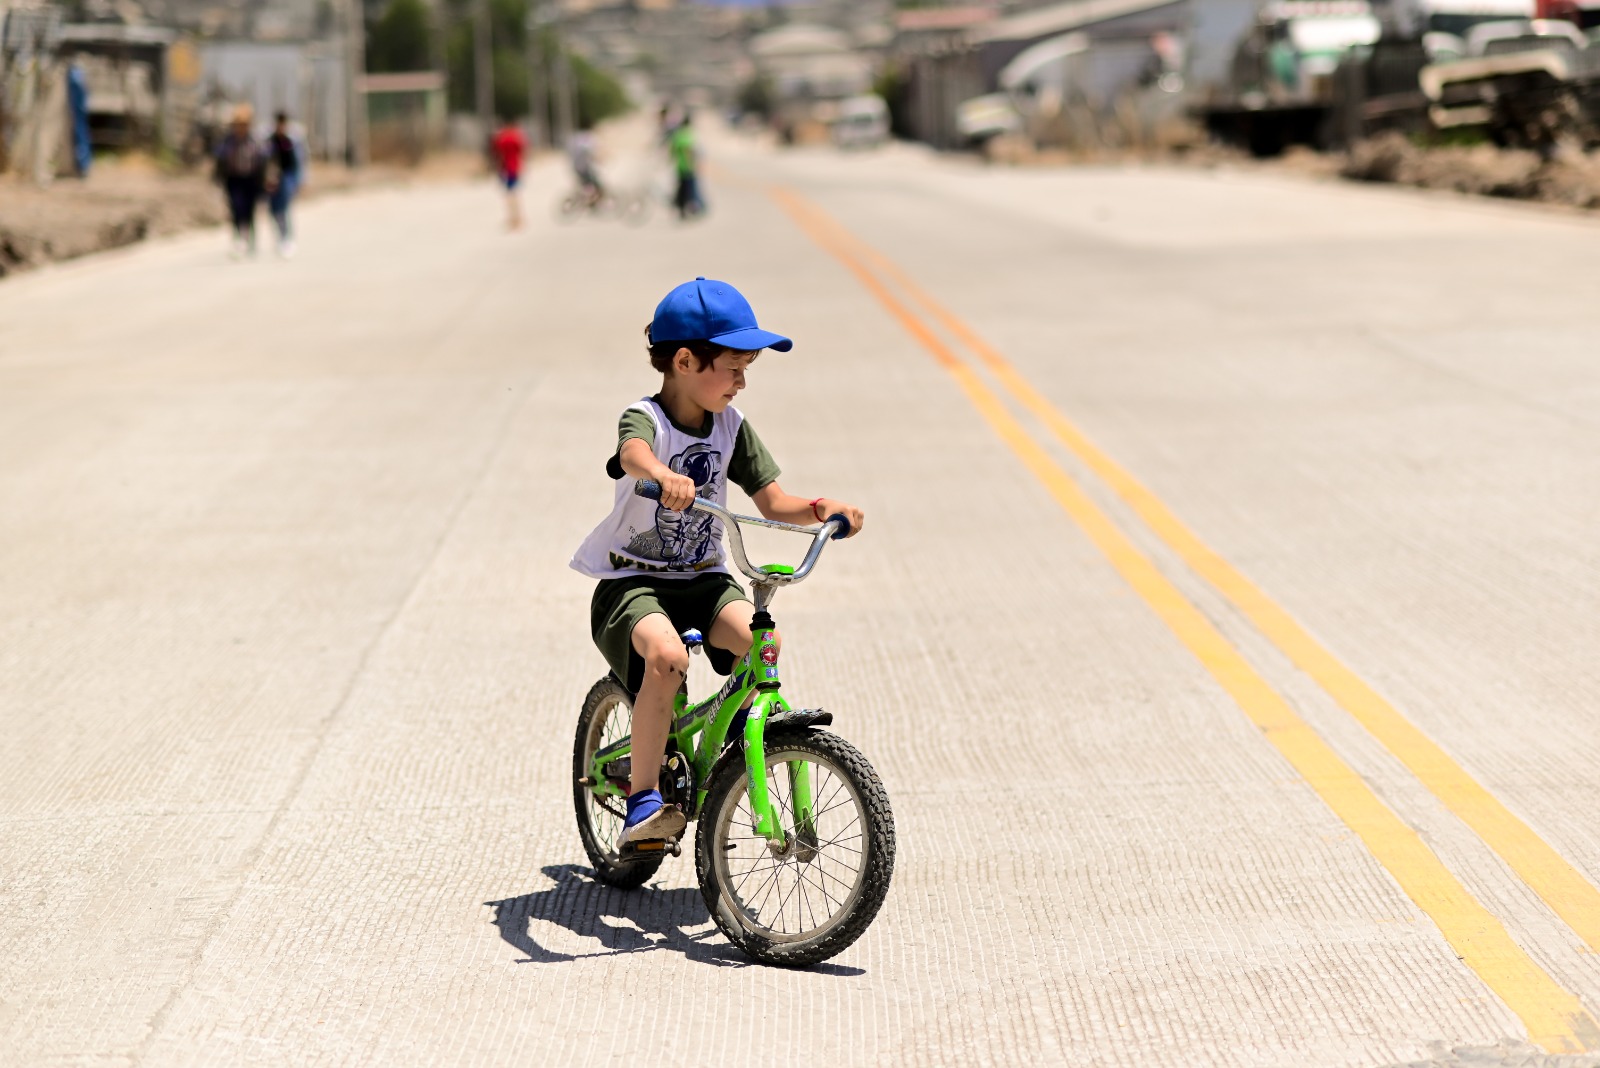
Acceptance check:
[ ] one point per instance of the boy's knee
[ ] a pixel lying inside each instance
(667, 662)
(740, 640)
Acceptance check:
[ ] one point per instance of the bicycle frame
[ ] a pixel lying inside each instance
(701, 731)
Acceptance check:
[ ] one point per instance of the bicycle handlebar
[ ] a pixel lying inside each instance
(835, 528)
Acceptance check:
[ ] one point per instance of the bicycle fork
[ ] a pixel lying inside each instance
(763, 660)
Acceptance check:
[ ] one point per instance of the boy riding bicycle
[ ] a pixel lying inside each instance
(660, 567)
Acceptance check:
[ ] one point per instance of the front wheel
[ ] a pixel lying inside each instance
(607, 718)
(812, 898)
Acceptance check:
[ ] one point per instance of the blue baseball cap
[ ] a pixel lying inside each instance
(706, 310)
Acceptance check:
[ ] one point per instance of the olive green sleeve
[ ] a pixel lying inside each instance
(634, 424)
(752, 466)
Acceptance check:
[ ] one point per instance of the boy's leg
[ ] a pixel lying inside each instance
(513, 202)
(649, 822)
(731, 629)
(666, 663)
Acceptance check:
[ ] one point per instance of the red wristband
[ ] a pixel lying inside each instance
(814, 511)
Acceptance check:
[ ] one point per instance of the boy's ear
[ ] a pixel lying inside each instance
(683, 362)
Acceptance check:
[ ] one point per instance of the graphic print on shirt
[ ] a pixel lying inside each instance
(683, 539)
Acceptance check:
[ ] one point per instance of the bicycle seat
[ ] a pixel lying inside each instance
(693, 639)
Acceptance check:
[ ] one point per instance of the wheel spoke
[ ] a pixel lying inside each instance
(823, 890)
(767, 886)
(746, 876)
(841, 804)
(784, 903)
(848, 886)
(830, 843)
(828, 801)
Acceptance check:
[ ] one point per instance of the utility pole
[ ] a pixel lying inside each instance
(538, 77)
(483, 64)
(355, 62)
(564, 94)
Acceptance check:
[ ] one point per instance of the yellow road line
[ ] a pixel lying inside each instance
(1554, 1017)
(1561, 886)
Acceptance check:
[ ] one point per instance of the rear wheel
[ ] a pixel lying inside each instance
(814, 897)
(571, 206)
(607, 718)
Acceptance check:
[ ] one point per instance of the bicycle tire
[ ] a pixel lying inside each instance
(604, 697)
(875, 867)
(569, 207)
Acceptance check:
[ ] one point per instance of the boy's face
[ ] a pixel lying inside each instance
(714, 387)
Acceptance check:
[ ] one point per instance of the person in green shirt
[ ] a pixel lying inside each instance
(685, 155)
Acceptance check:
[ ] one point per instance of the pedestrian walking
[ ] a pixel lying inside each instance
(685, 158)
(508, 146)
(286, 175)
(241, 166)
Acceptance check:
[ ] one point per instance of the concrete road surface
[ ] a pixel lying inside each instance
(1225, 629)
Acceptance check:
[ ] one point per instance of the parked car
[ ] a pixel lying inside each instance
(862, 122)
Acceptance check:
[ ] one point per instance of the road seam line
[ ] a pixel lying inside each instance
(1555, 1018)
(1561, 886)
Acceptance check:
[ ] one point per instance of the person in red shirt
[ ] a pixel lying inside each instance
(507, 147)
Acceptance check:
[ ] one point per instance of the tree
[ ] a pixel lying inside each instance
(399, 41)
(600, 96)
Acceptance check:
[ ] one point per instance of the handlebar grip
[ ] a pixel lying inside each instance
(844, 525)
(648, 488)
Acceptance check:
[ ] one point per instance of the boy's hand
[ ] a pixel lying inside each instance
(677, 491)
(827, 506)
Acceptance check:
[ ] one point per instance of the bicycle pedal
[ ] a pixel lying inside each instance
(649, 848)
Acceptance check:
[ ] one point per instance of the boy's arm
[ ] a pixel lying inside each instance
(783, 507)
(755, 472)
(639, 461)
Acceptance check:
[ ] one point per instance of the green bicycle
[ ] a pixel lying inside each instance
(795, 844)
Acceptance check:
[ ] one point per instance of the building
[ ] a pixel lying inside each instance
(1080, 71)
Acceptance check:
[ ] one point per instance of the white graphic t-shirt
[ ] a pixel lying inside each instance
(640, 536)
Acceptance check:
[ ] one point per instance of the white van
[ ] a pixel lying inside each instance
(862, 122)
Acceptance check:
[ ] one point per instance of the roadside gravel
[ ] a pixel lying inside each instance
(127, 201)
(1482, 169)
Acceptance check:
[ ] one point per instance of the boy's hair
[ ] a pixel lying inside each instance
(662, 352)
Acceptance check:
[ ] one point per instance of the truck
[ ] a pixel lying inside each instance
(1525, 83)
(1279, 86)
(1378, 87)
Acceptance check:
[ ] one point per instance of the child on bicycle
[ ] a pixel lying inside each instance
(661, 566)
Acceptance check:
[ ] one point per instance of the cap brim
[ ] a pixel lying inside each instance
(752, 338)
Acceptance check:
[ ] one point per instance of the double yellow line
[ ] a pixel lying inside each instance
(1554, 1017)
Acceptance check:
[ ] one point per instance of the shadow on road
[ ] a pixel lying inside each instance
(621, 921)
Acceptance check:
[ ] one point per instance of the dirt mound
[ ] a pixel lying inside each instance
(130, 199)
(1480, 169)
(73, 218)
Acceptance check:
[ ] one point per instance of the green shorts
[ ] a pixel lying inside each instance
(619, 604)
